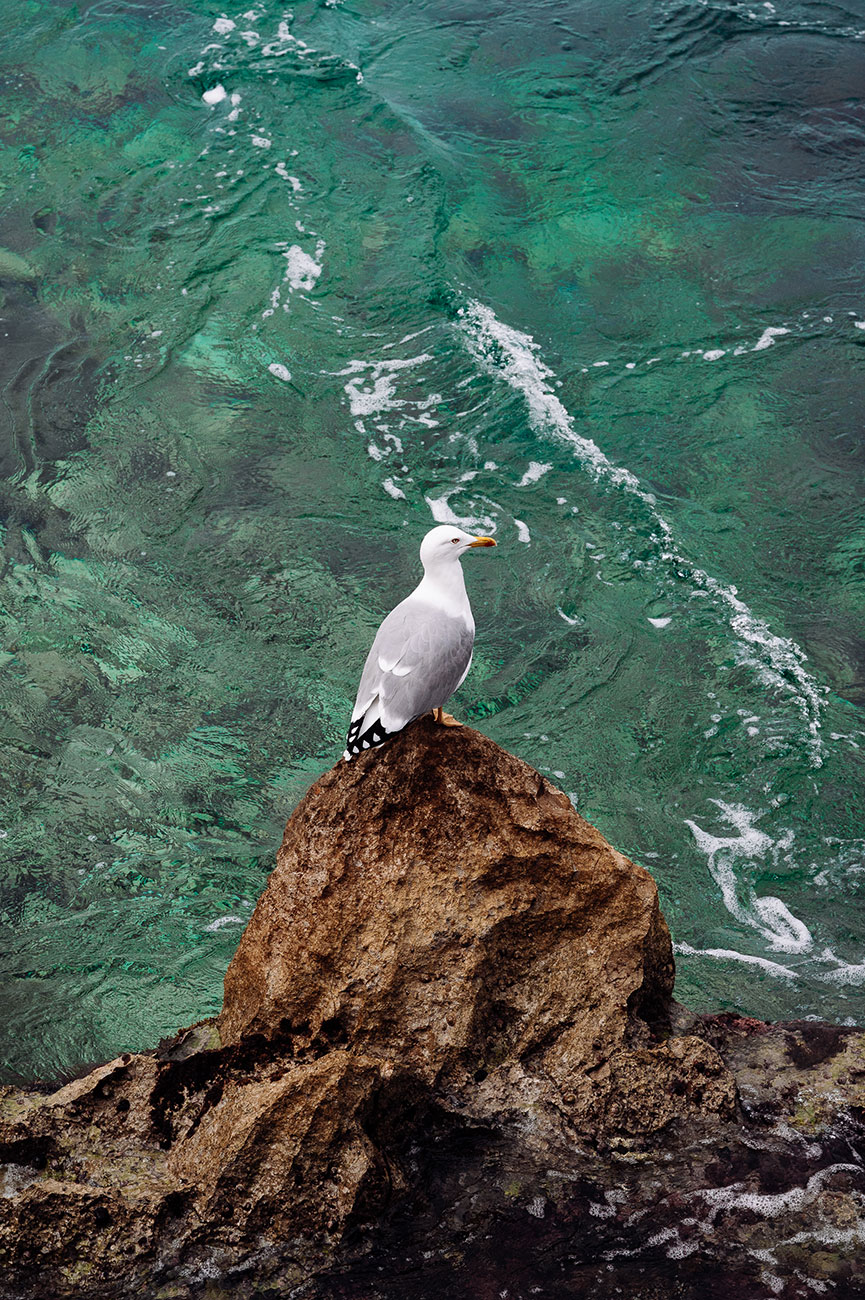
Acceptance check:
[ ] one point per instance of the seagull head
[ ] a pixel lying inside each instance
(445, 545)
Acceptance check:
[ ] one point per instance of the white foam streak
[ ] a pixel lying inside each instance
(769, 1205)
(407, 338)
(767, 338)
(364, 399)
(728, 855)
(302, 270)
(444, 513)
(845, 973)
(535, 471)
(294, 181)
(511, 355)
(730, 954)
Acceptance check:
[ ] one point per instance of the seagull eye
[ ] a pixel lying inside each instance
(455, 540)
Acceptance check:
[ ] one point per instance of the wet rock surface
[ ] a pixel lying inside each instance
(448, 1063)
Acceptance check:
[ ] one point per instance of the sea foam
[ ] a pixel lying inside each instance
(731, 857)
(512, 356)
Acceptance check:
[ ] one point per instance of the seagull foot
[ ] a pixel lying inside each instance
(445, 719)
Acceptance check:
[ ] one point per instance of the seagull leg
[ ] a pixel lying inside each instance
(445, 719)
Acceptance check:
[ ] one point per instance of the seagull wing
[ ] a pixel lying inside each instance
(418, 659)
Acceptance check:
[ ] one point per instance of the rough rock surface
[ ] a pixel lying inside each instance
(447, 1064)
(442, 908)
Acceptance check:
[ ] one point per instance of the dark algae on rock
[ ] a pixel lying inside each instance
(448, 1064)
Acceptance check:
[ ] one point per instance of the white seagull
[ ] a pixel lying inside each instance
(423, 649)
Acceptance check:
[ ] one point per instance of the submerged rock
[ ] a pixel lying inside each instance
(447, 1063)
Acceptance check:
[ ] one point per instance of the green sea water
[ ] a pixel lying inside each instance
(281, 289)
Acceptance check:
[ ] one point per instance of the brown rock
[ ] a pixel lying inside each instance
(440, 904)
(447, 1036)
(283, 1153)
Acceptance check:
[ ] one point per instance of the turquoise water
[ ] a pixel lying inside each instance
(283, 288)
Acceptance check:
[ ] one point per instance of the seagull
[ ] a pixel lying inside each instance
(423, 649)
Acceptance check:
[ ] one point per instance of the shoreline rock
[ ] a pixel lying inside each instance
(448, 1062)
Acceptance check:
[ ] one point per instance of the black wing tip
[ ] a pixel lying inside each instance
(356, 743)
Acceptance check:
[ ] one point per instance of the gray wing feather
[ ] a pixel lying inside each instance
(417, 661)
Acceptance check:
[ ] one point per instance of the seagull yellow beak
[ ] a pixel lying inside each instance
(482, 541)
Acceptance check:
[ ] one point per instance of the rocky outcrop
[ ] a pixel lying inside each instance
(447, 1063)
(440, 908)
